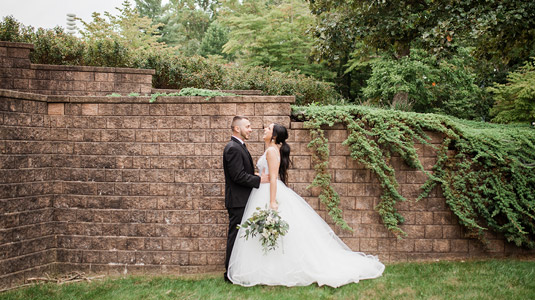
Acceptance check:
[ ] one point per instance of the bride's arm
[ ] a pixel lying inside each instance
(273, 167)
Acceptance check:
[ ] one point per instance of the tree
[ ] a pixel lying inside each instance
(128, 28)
(504, 36)
(500, 33)
(184, 25)
(149, 8)
(504, 31)
(213, 41)
(350, 33)
(271, 34)
(386, 25)
(334, 44)
(499, 29)
(515, 100)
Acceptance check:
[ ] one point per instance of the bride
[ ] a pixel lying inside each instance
(310, 251)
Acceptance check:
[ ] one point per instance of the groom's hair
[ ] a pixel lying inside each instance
(235, 121)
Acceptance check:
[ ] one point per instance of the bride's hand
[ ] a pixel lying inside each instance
(274, 206)
(264, 178)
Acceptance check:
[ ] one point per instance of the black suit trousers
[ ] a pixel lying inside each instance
(235, 215)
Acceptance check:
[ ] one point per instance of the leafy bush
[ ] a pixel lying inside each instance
(428, 84)
(55, 47)
(515, 100)
(305, 89)
(177, 72)
(59, 48)
(13, 31)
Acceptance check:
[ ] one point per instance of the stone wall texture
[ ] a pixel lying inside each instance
(118, 185)
(27, 190)
(17, 73)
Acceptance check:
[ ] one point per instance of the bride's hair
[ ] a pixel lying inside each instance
(280, 134)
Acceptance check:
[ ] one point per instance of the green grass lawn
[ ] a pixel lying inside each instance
(492, 279)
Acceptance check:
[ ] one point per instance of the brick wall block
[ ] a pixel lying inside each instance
(56, 108)
(421, 245)
(17, 52)
(441, 245)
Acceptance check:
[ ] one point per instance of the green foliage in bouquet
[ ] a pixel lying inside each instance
(486, 171)
(268, 225)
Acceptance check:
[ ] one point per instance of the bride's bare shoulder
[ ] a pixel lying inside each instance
(272, 152)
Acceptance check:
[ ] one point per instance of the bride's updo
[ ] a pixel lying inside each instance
(280, 134)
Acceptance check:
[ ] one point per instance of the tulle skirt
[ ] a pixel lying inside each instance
(309, 253)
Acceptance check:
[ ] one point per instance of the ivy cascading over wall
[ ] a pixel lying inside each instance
(486, 171)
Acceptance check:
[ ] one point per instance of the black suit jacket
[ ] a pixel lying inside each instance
(239, 174)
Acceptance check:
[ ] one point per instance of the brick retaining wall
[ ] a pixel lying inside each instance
(17, 73)
(27, 188)
(131, 187)
(118, 185)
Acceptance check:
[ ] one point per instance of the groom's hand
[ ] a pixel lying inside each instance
(264, 178)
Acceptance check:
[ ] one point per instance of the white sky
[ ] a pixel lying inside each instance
(51, 13)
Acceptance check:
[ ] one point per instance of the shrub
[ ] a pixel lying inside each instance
(305, 89)
(443, 86)
(177, 72)
(55, 47)
(13, 31)
(515, 100)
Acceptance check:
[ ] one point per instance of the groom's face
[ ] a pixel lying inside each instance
(244, 129)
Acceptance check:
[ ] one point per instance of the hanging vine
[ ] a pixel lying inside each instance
(488, 179)
(320, 159)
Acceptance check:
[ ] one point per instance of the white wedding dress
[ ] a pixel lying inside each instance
(310, 251)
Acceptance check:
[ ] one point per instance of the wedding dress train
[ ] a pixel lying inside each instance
(310, 251)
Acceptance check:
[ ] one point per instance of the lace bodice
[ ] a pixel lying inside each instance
(262, 164)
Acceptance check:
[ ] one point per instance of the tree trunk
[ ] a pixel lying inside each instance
(402, 49)
(344, 79)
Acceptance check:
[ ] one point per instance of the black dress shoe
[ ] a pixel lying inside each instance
(225, 277)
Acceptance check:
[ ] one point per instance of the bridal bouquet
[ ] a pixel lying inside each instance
(268, 225)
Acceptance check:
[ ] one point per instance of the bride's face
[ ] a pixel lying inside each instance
(268, 132)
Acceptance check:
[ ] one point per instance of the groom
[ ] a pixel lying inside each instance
(240, 178)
